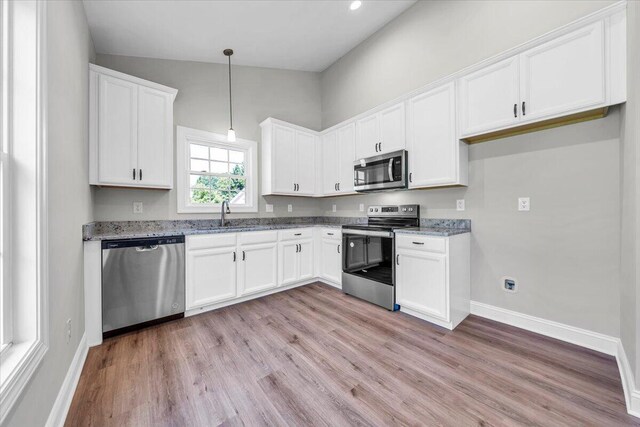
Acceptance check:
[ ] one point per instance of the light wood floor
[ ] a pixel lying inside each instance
(314, 356)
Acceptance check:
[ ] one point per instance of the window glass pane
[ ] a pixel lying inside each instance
(236, 156)
(199, 151)
(219, 167)
(219, 154)
(199, 165)
(237, 191)
(198, 181)
(201, 196)
(236, 169)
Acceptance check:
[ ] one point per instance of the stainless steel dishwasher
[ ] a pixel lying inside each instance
(142, 283)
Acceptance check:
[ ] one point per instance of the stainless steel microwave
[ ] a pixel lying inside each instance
(384, 172)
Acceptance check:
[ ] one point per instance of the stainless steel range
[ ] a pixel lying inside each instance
(368, 267)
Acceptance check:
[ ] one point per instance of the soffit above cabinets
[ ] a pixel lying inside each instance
(296, 35)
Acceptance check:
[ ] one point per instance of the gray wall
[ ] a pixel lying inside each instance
(565, 253)
(202, 103)
(630, 164)
(70, 49)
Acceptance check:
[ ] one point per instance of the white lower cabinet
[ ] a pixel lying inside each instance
(330, 262)
(432, 277)
(258, 266)
(295, 252)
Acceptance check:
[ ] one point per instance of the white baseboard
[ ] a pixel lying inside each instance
(58, 413)
(582, 337)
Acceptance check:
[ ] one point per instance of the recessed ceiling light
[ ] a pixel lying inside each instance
(355, 5)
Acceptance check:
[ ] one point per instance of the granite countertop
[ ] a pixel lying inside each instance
(433, 231)
(112, 230)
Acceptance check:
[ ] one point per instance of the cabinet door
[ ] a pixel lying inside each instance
(306, 163)
(564, 75)
(284, 159)
(211, 276)
(331, 261)
(288, 261)
(367, 136)
(433, 145)
(155, 138)
(118, 131)
(257, 268)
(422, 282)
(330, 163)
(392, 129)
(488, 98)
(305, 257)
(346, 156)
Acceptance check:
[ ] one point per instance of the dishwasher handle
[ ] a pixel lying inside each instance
(147, 248)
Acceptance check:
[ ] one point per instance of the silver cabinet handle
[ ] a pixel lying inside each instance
(140, 174)
(298, 234)
(329, 234)
(515, 110)
(338, 186)
(398, 259)
(146, 248)
(380, 146)
(234, 257)
(524, 111)
(294, 186)
(418, 243)
(134, 174)
(338, 248)
(243, 256)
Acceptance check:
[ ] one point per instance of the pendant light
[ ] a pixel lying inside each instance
(231, 134)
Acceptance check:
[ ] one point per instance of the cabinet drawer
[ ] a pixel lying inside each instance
(423, 243)
(296, 233)
(211, 240)
(252, 237)
(331, 233)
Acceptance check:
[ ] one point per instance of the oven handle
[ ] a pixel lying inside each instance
(391, 169)
(368, 233)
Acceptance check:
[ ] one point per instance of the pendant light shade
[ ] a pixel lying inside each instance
(231, 134)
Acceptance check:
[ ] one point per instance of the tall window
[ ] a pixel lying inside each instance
(212, 170)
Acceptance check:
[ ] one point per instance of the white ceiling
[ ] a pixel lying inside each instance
(305, 35)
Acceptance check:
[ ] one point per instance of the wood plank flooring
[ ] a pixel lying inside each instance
(314, 356)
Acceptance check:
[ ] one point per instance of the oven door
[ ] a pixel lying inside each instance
(383, 172)
(369, 255)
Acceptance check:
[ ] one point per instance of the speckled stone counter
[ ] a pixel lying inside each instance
(111, 230)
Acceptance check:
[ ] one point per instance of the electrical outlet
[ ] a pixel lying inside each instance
(334, 208)
(268, 208)
(289, 208)
(137, 207)
(68, 330)
(509, 284)
(524, 204)
(460, 205)
(361, 207)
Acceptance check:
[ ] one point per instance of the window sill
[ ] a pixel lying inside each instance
(19, 362)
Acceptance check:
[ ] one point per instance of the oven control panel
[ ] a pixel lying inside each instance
(395, 210)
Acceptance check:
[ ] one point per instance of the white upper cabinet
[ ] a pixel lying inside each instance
(338, 155)
(560, 77)
(564, 75)
(288, 159)
(489, 97)
(381, 132)
(131, 131)
(436, 156)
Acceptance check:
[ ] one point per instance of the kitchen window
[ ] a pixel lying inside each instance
(212, 170)
(23, 197)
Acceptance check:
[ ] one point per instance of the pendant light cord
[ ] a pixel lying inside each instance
(230, 105)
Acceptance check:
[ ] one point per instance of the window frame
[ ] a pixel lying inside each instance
(29, 313)
(186, 136)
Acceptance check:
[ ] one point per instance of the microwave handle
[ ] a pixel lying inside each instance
(391, 169)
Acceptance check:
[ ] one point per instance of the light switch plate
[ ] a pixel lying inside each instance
(290, 208)
(460, 205)
(334, 208)
(137, 207)
(361, 207)
(524, 204)
(268, 208)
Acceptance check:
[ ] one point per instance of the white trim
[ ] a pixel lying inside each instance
(134, 79)
(582, 337)
(61, 406)
(184, 136)
(29, 355)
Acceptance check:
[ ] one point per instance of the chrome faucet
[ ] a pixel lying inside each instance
(224, 210)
